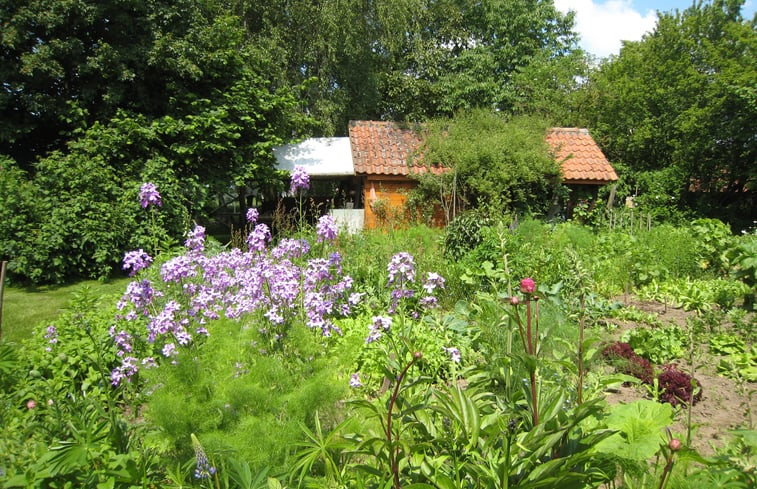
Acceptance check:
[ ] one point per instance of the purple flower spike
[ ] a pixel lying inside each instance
(136, 261)
(149, 195)
(196, 239)
(401, 268)
(300, 179)
(252, 215)
(326, 229)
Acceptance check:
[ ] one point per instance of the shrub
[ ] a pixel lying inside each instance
(465, 233)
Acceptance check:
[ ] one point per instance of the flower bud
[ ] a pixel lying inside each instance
(527, 285)
(514, 300)
(417, 354)
(674, 444)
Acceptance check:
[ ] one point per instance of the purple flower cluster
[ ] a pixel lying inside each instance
(252, 215)
(51, 335)
(300, 180)
(379, 325)
(196, 240)
(401, 280)
(136, 261)
(149, 195)
(454, 353)
(278, 283)
(401, 270)
(326, 229)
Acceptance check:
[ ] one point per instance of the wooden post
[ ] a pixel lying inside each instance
(2, 290)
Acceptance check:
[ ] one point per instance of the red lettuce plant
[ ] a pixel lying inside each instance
(677, 387)
(625, 360)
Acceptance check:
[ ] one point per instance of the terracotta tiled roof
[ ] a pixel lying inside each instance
(581, 159)
(384, 148)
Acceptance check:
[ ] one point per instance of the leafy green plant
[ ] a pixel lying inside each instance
(465, 233)
(659, 345)
(742, 258)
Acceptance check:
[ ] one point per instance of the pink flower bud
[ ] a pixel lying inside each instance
(30, 404)
(514, 300)
(674, 444)
(527, 285)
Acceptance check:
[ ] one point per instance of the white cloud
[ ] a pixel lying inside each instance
(602, 26)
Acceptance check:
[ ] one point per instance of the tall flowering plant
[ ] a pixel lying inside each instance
(150, 199)
(166, 310)
(394, 335)
(529, 335)
(300, 182)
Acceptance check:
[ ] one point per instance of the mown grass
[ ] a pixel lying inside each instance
(25, 308)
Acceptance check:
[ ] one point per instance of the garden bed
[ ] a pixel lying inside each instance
(725, 405)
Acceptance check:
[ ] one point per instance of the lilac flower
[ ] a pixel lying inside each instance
(51, 336)
(169, 349)
(401, 268)
(177, 268)
(140, 295)
(259, 237)
(433, 281)
(300, 179)
(123, 341)
(454, 353)
(136, 261)
(196, 239)
(379, 325)
(355, 381)
(149, 195)
(290, 248)
(128, 368)
(326, 229)
(252, 215)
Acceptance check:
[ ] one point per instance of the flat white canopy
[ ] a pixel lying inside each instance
(325, 157)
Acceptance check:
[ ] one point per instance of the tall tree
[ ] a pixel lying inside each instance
(415, 59)
(678, 109)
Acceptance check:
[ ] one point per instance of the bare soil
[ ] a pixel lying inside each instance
(724, 406)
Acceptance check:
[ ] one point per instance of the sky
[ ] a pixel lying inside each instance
(602, 24)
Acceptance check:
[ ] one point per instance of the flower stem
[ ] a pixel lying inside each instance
(392, 451)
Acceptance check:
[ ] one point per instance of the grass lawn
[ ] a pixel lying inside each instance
(24, 308)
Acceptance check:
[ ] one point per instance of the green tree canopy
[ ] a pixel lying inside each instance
(678, 110)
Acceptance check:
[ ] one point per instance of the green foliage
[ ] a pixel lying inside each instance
(675, 109)
(713, 238)
(742, 257)
(464, 233)
(496, 164)
(640, 429)
(59, 410)
(265, 396)
(659, 345)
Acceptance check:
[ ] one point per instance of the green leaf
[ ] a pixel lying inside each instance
(640, 426)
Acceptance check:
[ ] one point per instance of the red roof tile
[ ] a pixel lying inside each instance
(384, 148)
(581, 159)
